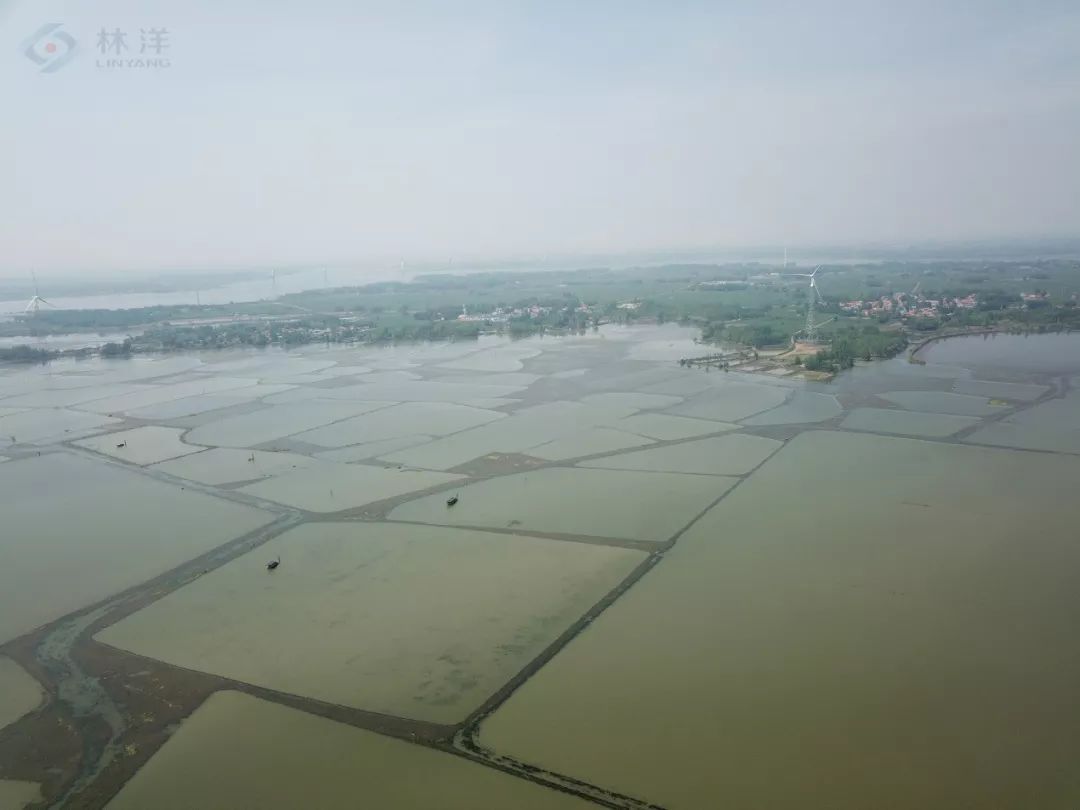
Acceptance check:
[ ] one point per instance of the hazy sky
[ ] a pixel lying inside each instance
(317, 131)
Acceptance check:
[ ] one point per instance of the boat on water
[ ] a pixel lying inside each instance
(451, 500)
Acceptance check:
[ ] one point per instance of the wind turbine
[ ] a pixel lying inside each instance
(815, 295)
(35, 303)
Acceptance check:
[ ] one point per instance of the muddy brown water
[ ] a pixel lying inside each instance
(846, 618)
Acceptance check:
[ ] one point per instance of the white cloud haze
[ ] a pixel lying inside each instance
(350, 131)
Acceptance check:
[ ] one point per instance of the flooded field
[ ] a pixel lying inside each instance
(1021, 392)
(503, 358)
(587, 443)
(658, 586)
(369, 450)
(906, 423)
(224, 465)
(731, 401)
(415, 621)
(737, 454)
(19, 692)
(864, 646)
(1053, 425)
(48, 426)
(598, 503)
(17, 794)
(142, 445)
(804, 407)
(76, 531)
(190, 406)
(524, 429)
(943, 402)
(666, 427)
(147, 396)
(326, 486)
(437, 419)
(63, 397)
(269, 424)
(237, 751)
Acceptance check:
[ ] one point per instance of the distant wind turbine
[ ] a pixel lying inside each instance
(815, 296)
(35, 303)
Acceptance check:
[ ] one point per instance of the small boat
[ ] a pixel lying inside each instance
(122, 444)
(270, 566)
(451, 501)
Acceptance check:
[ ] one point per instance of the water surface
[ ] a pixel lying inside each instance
(19, 692)
(76, 531)
(1046, 353)
(238, 751)
(414, 621)
(864, 622)
(906, 423)
(649, 506)
(734, 454)
(143, 445)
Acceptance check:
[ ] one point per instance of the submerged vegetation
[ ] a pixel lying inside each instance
(851, 343)
(26, 354)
